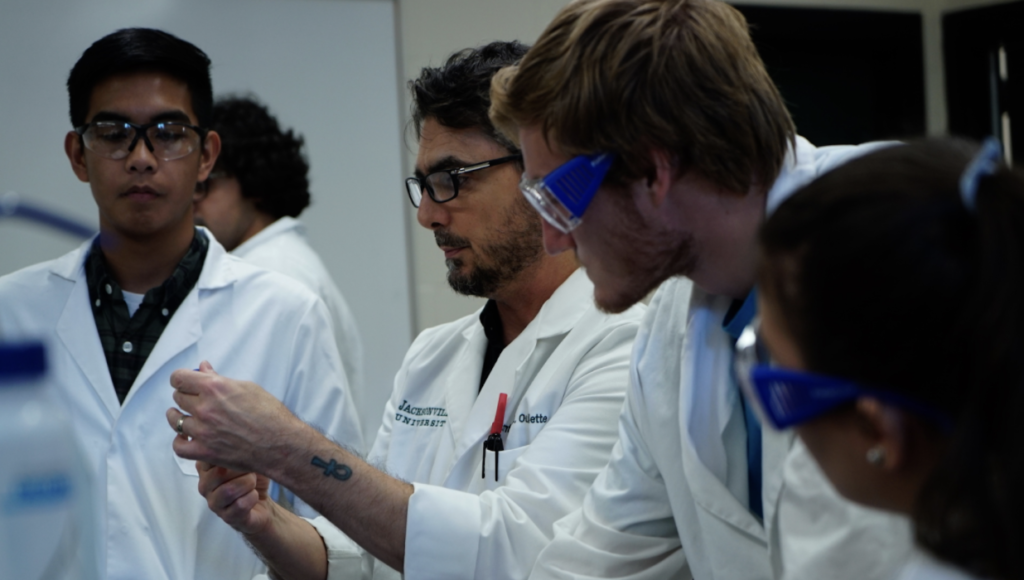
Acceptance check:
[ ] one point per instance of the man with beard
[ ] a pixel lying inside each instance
(702, 148)
(501, 420)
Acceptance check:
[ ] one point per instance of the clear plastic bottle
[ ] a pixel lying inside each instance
(48, 524)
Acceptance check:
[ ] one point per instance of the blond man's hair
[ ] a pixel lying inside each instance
(632, 76)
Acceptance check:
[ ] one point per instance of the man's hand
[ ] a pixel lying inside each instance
(291, 546)
(240, 499)
(230, 423)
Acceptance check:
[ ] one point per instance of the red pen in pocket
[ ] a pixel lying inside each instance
(493, 441)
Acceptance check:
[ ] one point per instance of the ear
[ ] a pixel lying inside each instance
(884, 428)
(76, 155)
(211, 149)
(660, 183)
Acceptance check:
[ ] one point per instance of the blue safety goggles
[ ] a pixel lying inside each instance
(784, 398)
(562, 196)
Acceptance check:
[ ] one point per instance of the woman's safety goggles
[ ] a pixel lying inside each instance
(562, 196)
(784, 398)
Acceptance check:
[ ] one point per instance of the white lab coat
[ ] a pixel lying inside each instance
(672, 501)
(250, 324)
(565, 377)
(282, 247)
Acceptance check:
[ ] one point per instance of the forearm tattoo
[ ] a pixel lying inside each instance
(333, 469)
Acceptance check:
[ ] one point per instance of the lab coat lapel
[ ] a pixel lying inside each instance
(705, 368)
(76, 328)
(461, 388)
(775, 447)
(182, 331)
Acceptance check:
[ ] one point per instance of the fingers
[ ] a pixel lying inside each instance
(175, 419)
(230, 495)
(190, 448)
(210, 480)
(188, 403)
(206, 367)
(189, 381)
(237, 512)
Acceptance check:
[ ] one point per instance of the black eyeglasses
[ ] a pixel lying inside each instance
(443, 185)
(166, 140)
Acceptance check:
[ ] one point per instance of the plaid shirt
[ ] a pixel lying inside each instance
(127, 340)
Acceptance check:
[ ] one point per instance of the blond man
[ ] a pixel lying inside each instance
(654, 145)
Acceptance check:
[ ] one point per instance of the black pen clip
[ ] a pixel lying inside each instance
(492, 443)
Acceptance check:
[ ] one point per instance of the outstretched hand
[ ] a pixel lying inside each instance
(235, 424)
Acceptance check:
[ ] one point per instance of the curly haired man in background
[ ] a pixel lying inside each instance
(252, 197)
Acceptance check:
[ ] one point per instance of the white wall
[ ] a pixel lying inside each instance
(326, 68)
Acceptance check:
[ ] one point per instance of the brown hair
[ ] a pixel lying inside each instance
(627, 76)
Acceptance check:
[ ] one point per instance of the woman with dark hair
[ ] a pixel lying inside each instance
(891, 307)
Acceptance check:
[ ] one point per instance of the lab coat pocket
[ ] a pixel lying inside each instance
(506, 461)
(187, 466)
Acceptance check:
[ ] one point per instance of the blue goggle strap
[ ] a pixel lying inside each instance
(576, 181)
(789, 398)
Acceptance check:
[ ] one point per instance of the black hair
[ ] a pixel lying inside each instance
(882, 275)
(132, 50)
(267, 162)
(458, 94)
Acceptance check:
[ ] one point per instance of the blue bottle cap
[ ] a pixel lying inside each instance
(21, 360)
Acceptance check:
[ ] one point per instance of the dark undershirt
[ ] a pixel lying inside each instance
(495, 332)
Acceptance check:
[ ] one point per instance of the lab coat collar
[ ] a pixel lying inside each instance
(280, 226)
(219, 270)
(557, 316)
(71, 266)
(565, 307)
(805, 162)
(798, 168)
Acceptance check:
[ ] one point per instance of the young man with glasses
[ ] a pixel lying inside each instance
(153, 293)
(654, 157)
(499, 421)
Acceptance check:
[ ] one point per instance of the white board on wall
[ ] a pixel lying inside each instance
(328, 69)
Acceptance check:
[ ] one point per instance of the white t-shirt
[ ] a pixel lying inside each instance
(133, 301)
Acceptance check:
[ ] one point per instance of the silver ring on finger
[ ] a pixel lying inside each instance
(181, 424)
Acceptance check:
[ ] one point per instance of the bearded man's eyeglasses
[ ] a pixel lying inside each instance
(443, 185)
(167, 140)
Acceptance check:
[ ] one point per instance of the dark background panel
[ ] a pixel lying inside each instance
(976, 97)
(848, 76)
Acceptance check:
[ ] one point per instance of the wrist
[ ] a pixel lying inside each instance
(268, 530)
(291, 450)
